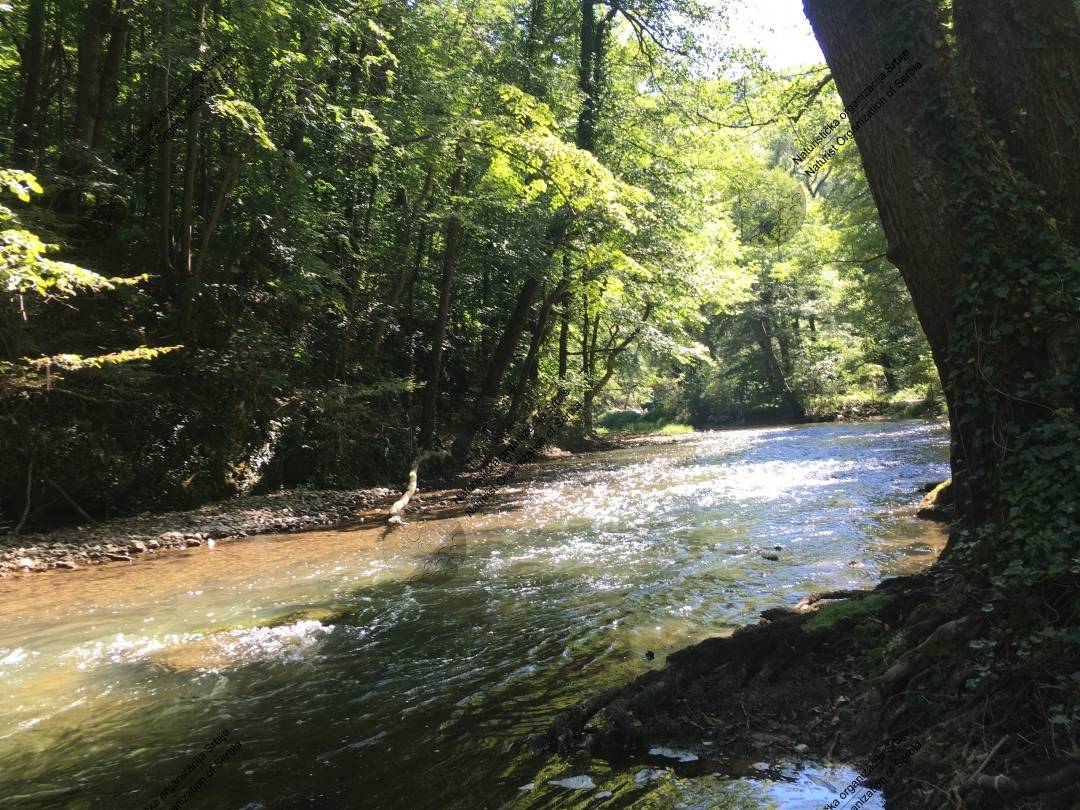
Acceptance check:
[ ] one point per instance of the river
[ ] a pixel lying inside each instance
(317, 670)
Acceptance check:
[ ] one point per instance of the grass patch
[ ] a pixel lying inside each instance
(830, 615)
(637, 422)
(854, 405)
(675, 428)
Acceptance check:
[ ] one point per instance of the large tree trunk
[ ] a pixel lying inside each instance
(527, 373)
(87, 76)
(109, 85)
(902, 149)
(164, 175)
(504, 350)
(400, 263)
(1033, 102)
(593, 34)
(33, 52)
(986, 258)
(500, 359)
(438, 334)
(777, 379)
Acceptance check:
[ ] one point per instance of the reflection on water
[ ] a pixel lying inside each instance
(351, 683)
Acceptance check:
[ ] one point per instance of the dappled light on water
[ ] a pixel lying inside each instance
(352, 681)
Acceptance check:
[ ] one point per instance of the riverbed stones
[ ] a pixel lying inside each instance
(647, 775)
(583, 782)
(87, 545)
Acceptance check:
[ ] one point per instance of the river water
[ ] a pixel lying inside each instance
(319, 670)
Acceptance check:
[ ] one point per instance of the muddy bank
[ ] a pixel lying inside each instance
(986, 714)
(126, 539)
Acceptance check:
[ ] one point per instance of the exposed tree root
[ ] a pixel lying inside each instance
(844, 672)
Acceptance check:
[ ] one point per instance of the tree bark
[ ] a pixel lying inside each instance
(776, 372)
(87, 74)
(590, 72)
(164, 175)
(902, 153)
(1034, 102)
(500, 359)
(978, 247)
(32, 52)
(109, 85)
(438, 333)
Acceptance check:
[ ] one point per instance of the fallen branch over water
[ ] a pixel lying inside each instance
(394, 515)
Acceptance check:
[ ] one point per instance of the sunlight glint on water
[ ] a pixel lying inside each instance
(349, 686)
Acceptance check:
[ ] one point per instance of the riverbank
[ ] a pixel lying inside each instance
(982, 691)
(127, 539)
(298, 510)
(567, 586)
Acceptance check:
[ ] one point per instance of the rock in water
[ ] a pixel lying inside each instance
(649, 775)
(937, 504)
(583, 782)
(671, 753)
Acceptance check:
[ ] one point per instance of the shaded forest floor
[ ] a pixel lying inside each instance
(944, 697)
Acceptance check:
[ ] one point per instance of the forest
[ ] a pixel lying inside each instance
(371, 231)
(275, 249)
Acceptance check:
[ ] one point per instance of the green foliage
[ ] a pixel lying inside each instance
(24, 267)
(296, 242)
(636, 422)
(26, 271)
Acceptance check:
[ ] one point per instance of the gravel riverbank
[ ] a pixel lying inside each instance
(126, 538)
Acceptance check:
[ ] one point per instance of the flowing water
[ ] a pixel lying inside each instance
(318, 670)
